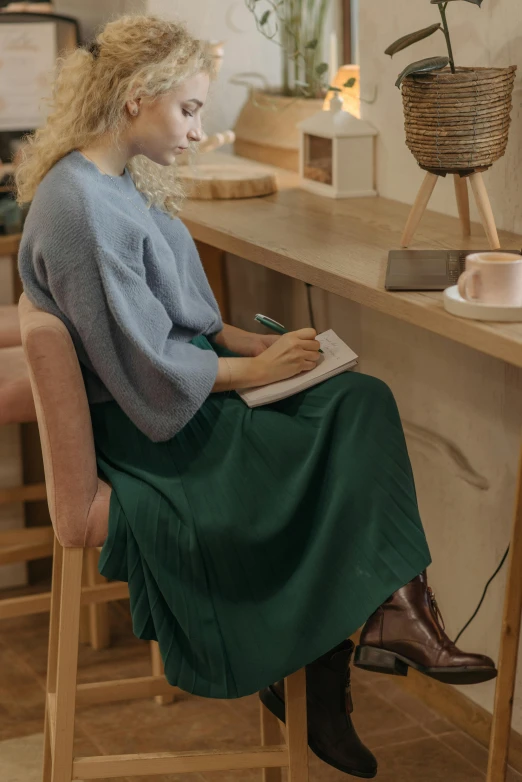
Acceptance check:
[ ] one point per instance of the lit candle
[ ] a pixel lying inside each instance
(334, 58)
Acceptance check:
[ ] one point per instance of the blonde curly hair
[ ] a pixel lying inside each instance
(135, 56)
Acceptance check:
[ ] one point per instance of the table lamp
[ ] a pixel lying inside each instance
(337, 148)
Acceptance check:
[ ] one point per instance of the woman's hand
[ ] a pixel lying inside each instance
(246, 343)
(261, 342)
(278, 358)
(288, 355)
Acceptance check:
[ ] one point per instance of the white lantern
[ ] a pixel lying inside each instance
(337, 153)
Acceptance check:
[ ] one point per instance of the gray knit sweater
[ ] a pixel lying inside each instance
(129, 285)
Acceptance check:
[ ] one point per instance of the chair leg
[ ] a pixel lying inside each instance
(158, 670)
(85, 627)
(64, 639)
(296, 726)
(270, 735)
(99, 627)
(85, 618)
(52, 654)
(461, 193)
(485, 211)
(418, 208)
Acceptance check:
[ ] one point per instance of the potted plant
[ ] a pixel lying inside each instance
(456, 118)
(266, 129)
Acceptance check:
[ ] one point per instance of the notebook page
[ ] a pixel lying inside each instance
(337, 354)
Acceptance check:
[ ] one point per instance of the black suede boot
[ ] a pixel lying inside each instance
(331, 734)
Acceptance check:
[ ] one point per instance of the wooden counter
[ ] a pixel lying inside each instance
(342, 246)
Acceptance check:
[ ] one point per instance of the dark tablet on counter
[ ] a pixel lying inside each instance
(427, 270)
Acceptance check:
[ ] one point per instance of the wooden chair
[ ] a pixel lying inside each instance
(79, 506)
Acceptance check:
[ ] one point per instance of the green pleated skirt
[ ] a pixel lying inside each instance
(257, 539)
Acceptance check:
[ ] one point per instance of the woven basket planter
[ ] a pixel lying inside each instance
(458, 121)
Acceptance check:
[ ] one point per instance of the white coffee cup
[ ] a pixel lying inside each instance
(492, 278)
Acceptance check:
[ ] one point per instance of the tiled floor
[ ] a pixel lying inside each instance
(411, 742)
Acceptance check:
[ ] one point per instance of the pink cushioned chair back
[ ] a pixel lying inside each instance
(78, 499)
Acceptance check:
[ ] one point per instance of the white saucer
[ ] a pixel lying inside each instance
(454, 303)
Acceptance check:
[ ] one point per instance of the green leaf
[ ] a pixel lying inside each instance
(408, 40)
(264, 18)
(441, 2)
(350, 82)
(312, 44)
(423, 66)
(321, 68)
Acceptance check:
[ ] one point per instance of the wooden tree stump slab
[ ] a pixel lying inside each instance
(214, 180)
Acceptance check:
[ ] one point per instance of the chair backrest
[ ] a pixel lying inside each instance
(78, 499)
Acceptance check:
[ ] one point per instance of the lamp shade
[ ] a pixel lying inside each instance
(350, 96)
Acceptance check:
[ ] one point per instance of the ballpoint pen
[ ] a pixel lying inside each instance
(273, 324)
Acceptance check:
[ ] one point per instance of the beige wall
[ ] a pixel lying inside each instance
(491, 36)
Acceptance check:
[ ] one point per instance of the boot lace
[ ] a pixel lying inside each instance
(435, 607)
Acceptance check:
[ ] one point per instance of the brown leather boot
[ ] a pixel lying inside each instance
(331, 733)
(408, 631)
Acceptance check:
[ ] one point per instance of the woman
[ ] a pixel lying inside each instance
(254, 541)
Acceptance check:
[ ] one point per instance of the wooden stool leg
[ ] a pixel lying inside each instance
(270, 735)
(158, 670)
(507, 664)
(52, 655)
(99, 628)
(64, 698)
(485, 211)
(85, 627)
(85, 617)
(461, 193)
(296, 726)
(418, 208)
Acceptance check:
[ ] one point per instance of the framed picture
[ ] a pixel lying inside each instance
(29, 46)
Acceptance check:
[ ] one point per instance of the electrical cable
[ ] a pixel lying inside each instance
(504, 557)
(477, 609)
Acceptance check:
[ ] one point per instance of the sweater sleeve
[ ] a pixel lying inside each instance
(152, 371)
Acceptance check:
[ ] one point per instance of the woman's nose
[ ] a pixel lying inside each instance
(195, 134)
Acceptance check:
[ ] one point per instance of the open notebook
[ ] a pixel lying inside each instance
(337, 358)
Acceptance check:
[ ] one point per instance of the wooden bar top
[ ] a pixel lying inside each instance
(342, 246)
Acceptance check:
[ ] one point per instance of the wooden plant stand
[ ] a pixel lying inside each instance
(461, 191)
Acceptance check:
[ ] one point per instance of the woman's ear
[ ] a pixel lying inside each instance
(133, 106)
